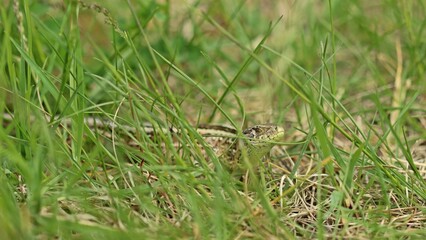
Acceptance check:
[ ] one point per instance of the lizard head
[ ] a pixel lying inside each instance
(260, 140)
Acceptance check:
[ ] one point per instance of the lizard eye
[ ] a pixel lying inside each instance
(250, 132)
(262, 132)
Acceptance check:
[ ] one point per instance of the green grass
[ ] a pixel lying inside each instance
(346, 79)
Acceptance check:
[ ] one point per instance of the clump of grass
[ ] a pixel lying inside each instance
(108, 18)
(20, 24)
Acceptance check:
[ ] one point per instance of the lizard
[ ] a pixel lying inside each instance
(227, 143)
